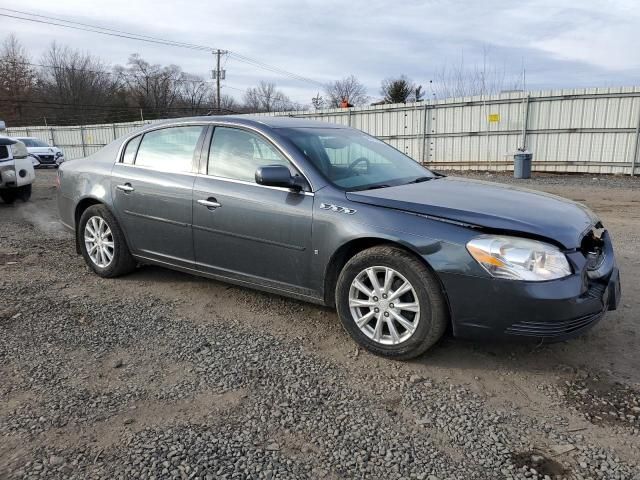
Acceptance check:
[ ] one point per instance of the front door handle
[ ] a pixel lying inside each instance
(125, 188)
(210, 203)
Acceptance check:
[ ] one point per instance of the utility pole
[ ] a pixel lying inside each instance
(218, 75)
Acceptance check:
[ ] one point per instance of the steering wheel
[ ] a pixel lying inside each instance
(358, 161)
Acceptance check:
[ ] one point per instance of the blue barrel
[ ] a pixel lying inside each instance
(522, 165)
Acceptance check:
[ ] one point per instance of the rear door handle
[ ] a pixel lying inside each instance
(125, 188)
(210, 203)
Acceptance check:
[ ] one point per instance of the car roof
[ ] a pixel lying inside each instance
(259, 120)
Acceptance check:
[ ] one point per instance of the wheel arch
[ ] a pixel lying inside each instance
(347, 250)
(80, 208)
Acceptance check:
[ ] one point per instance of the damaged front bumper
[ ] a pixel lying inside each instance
(554, 310)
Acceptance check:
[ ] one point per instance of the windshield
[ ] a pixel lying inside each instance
(352, 160)
(33, 142)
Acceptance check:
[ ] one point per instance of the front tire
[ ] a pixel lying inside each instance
(391, 303)
(102, 243)
(8, 195)
(24, 193)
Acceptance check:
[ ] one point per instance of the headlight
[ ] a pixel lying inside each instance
(18, 150)
(519, 258)
(58, 154)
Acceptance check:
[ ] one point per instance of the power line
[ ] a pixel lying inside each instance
(95, 105)
(145, 38)
(113, 34)
(104, 72)
(257, 63)
(186, 45)
(133, 75)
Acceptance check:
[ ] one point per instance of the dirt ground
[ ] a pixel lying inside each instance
(578, 397)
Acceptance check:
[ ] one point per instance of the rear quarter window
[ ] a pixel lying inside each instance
(129, 155)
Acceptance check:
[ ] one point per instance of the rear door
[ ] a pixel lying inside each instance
(152, 187)
(247, 231)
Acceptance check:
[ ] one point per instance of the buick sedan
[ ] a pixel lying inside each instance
(330, 215)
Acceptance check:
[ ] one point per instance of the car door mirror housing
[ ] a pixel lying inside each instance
(278, 176)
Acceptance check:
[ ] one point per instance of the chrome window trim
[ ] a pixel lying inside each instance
(214, 124)
(152, 169)
(254, 184)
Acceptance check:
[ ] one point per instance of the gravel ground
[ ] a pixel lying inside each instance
(164, 375)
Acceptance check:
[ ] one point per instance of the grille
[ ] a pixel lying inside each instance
(4, 151)
(46, 158)
(551, 329)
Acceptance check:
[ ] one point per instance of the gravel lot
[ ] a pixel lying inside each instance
(164, 375)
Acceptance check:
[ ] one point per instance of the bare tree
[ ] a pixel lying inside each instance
(74, 83)
(318, 102)
(349, 89)
(195, 94)
(17, 81)
(400, 90)
(461, 81)
(154, 88)
(228, 104)
(265, 97)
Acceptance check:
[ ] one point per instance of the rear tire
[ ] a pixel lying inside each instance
(103, 244)
(8, 195)
(401, 330)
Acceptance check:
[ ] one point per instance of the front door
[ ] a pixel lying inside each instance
(152, 187)
(245, 231)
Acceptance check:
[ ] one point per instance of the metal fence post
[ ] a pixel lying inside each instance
(84, 147)
(424, 133)
(53, 138)
(115, 135)
(349, 117)
(525, 122)
(636, 145)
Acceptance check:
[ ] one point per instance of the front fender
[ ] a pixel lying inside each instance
(441, 245)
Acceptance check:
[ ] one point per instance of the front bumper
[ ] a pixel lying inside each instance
(16, 173)
(544, 311)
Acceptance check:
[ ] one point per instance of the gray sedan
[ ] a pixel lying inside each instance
(328, 214)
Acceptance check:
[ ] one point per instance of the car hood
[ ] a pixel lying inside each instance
(43, 150)
(490, 205)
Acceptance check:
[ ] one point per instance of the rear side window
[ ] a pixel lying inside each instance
(169, 149)
(130, 150)
(237, 154)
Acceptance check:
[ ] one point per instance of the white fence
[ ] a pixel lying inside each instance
(580, 130)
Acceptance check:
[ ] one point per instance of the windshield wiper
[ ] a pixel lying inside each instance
(422, 179)
(373, 187)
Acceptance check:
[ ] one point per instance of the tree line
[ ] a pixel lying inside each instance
(68, 86)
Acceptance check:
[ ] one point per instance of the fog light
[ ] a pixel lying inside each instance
(22, 173)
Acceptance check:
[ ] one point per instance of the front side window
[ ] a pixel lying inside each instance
(169, 149)
(352, 160)
(237, 154)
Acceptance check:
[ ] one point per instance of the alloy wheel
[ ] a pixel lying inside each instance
(98, 240)
(384, 305)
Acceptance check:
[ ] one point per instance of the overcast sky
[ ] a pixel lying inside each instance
(560, 43)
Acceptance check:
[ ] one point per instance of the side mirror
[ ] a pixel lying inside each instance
(278, 176)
